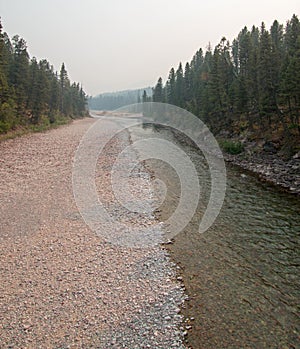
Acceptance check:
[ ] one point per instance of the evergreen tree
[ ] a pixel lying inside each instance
(254, 81)
(31, 91)
(187, 85)
(64, 84)
(145, 97)
(54, 96)
(158, 91)
(179, 86)
(7, 104)
(265, 86)
(290, 72)
(19, 73)
(4, 89)
(170, 88)
(242, 67)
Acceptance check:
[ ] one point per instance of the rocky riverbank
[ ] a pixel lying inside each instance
(262, 160)
(271, 168)
(61, 284)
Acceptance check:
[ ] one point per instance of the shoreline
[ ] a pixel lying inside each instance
(267, 167)
(180, 296)
(270, 169)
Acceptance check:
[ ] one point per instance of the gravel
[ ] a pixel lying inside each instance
(62, 285)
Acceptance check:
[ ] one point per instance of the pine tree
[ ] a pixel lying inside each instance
(179, 86)
(145, 97)
(187, 86)
(158, 91)
(7, 104)
(203, 76)
(266, 89)
(242, 68)
(19, 73)
(31, 91)
(289, 82)
(252, 83)
(64, 84)
(4, 89)
(170, 88)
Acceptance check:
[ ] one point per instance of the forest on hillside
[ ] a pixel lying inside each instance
(115, 100)
(31, 91)
(248, 88)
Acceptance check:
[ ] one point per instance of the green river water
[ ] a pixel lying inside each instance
(242, 275)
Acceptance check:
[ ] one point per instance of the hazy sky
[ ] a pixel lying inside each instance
(110, 45)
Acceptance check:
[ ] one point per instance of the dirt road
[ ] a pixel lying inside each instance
(62, 285)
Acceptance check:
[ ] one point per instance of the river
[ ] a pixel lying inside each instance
(242, 275)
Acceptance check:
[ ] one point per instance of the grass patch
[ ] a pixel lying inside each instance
(231, 147)
(42, 126)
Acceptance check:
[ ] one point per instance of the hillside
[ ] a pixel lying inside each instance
(115, 100)
(246, 91)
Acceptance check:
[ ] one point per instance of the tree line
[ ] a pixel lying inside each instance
(254, 82)
(32, 91)
(115, 100)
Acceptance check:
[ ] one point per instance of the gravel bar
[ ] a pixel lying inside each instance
(62, 285)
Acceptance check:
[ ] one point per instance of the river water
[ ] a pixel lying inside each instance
(242, 275)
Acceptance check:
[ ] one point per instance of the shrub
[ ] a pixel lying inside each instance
(232, 147)
(7, 116)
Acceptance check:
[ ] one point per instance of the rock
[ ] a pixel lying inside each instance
(297, 155)
(269, 147)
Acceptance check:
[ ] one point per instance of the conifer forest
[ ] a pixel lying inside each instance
(31, 91)
(250, 86)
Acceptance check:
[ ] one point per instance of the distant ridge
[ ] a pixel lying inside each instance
(115, 100)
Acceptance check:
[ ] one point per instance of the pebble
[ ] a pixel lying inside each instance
(68, 286)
